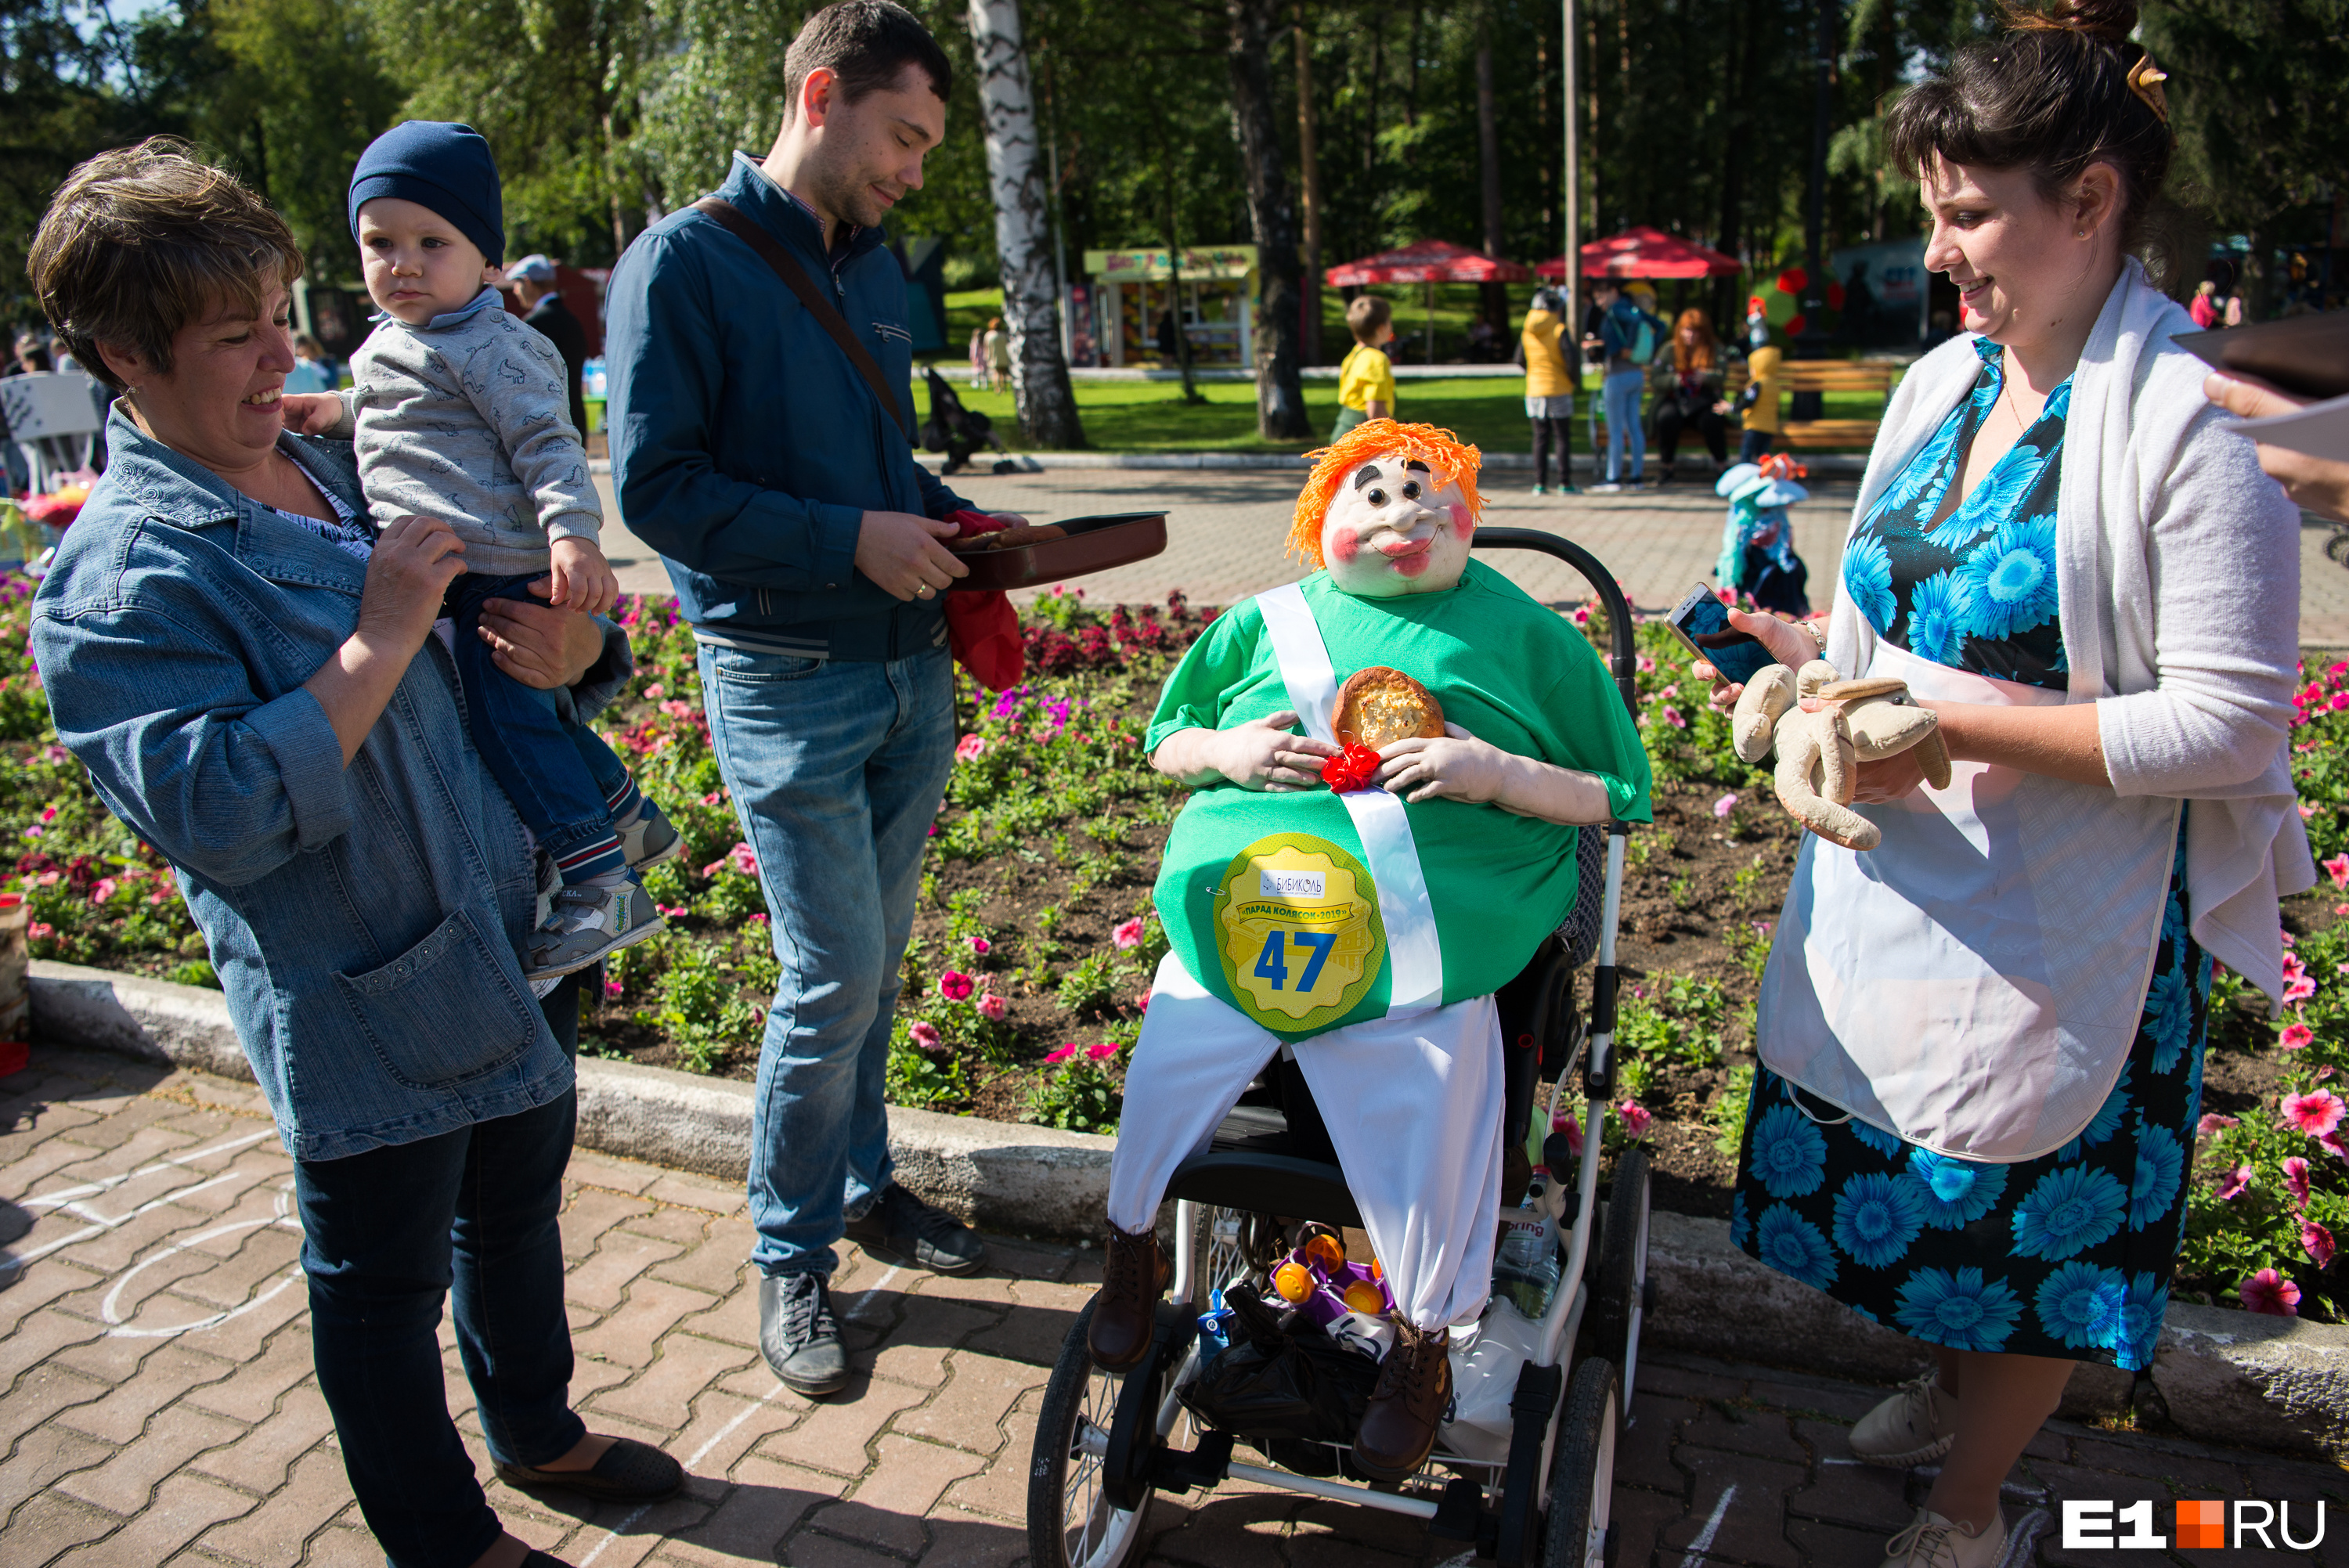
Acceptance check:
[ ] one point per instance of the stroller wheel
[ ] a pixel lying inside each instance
(1582, 1476)
(1071, 1524)
(1622, 1297)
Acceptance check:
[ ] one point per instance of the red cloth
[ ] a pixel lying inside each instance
(983, 629)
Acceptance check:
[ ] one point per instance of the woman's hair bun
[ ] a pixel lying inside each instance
(2112, 21)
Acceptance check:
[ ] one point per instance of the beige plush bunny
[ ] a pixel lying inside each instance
(1822, 727)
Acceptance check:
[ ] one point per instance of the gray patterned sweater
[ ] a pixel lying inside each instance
(468, 420)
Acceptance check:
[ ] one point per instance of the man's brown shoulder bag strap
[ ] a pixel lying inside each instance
(786, 266)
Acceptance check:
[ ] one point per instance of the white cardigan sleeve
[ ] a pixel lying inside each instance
(2222, 553)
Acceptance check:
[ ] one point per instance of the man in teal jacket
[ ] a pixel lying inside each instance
(782, 493)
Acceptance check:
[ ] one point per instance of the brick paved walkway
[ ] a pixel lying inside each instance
(1225, 534)
(156, 1405)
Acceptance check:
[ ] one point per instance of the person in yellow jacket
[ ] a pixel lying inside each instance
(1551, 378)
(1758, 404)
(1366, 385)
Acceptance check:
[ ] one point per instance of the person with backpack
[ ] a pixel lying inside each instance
(1629, 337)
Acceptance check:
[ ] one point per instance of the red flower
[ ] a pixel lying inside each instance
(1063, 1054)
(1566, 1123)
(1636, 1116)
(2316, 1113)
(2271, 1293)
(1127, 935)
(1352, 769)
(926, 1037)
(1100, 1053)
(955, 985)
(2296, 1037)
(2317, 1243)
(2295, 1180)
(2232, 1184)
(991, 1008)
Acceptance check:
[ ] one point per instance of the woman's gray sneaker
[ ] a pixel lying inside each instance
(1914, 1426)
(589, 920)
(797, 1333)
(925, 1236)
(646, 837)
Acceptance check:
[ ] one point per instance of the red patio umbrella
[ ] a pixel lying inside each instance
(1428, 262)
(1645, 253)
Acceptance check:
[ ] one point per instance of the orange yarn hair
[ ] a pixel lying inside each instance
(1440, 449)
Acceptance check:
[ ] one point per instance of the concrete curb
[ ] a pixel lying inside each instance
(1003, 1176)
(2228, 1376)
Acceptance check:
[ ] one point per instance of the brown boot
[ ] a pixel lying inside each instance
(1407, 1406)
(1135, 1271)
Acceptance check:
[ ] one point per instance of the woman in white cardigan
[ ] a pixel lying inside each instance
(1980, 1043)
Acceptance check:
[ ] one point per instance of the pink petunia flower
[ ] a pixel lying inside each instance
(676, 709)
(1726, 805)
(612, 988)
(1100, 1053)
(1141, 1001)
(970, 748)
(2316, 1113)
(2337, 868)
(2296, 1037)
(955, 985)
(1565, 1122)
(2295, 1180)
(2316, 1242)
(926, 1035)
(979, 945)
(745, 859)
(655, 692)
(40, 931)
(102, 890)
(1127, 935)
(48, 814)
(1673, 716)
(1646, 665)
(713, 796)
(1063, 1054)
(1636, 1117)
(2232, 1184)
(2306, 811)
(2333, 1143)
(2269, 1292)
(2212, 1121)
(2299, 990)
(992, 1007)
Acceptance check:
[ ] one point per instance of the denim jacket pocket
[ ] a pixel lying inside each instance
(442, 1011)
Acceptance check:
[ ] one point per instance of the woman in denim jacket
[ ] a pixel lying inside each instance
(249, 673)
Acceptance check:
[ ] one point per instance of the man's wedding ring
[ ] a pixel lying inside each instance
(925, 591)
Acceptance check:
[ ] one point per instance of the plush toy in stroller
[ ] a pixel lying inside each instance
(1757, 542)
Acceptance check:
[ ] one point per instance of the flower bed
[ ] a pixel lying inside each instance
(1034, 938)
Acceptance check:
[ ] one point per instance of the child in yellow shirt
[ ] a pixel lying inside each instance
(1366, 389)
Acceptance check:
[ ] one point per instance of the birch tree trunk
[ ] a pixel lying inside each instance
(1272, 215)
(1039, 372)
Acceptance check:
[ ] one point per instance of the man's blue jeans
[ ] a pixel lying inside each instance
(1621, 391)
(837, 767)
(385, 1236)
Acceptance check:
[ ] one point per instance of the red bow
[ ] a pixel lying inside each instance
(1355, 767)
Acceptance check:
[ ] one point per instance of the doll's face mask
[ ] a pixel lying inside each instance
(1396, 527)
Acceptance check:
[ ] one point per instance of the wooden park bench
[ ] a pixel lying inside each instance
(1823, 376)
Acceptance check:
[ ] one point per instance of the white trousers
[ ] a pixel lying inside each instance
(1414, 1108)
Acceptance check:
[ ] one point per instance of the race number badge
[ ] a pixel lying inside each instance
(1297, 929)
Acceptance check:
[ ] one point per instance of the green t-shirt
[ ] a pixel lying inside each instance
(1507, 670)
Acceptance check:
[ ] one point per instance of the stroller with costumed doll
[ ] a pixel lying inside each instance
(1267, 1342)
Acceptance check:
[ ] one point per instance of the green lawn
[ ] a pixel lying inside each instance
(1150, 416)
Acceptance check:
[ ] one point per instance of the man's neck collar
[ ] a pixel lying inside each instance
(832, 233)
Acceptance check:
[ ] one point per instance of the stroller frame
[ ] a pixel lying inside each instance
(1102, 1444)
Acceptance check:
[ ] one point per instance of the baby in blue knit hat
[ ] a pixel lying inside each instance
(460, 412)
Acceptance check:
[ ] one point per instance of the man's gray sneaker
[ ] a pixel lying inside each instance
(589, 920)
(928, 1237)
(797, 1335)
(646, 837)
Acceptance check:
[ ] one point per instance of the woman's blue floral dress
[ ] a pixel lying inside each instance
(2069, 1255)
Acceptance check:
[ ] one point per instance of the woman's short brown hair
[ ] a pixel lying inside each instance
(141, 240)
(2051, 95)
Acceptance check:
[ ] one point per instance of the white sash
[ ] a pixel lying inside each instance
(1414, 955)
(1974, 983)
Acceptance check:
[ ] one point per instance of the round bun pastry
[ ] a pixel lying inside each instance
(1378, 704)
(1011, 538)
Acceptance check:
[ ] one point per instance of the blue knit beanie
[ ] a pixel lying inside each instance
(442, 166)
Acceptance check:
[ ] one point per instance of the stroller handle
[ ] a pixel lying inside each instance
(1623, 647)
